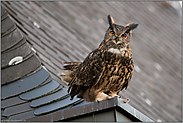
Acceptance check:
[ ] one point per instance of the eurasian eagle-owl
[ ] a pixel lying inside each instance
(106, 70)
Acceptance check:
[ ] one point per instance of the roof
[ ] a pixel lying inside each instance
(50, 33)
(34, 95)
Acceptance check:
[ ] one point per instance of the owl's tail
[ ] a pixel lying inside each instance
(71, 65)
(69, 70)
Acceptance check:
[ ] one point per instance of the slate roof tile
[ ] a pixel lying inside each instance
(18, 44)
(6, 24)
(58, 79)
(10, 74)
(55, 106)
(61, 94)
(10, 39)
(4, 14)
(7, 56)
(50, 67)
(17, 109)
(22, 116)
(24, 84)
(11, 102)
(41, 91)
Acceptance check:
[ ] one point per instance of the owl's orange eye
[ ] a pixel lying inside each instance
(112, 33)
(124, 36)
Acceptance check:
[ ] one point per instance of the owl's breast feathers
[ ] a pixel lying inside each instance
(101, 70)
(119, 69)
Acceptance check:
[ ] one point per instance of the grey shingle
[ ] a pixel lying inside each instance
(22, 116)
(25, 67)
(11, 39)
(17, 109)
(55, 106)
(41, 91)
(6, 24)
(12, 101)
(7, 56)
(3, 11)
(24, 84)
(50, 98)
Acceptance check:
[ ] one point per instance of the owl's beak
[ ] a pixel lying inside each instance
(117, 39)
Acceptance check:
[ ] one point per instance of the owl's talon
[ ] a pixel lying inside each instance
(126, 100)
(98, 101)
(110, 96)
(119, 96)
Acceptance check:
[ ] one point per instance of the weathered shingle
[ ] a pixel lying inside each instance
(17, 109)
(11, 38)
(6, 24)
(55, 106)
(11, 101)
(61, 94)
(43, 90)
(22, 116)
(24, 85)
(7, 56)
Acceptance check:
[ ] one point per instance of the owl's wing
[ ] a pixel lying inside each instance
(88, 73)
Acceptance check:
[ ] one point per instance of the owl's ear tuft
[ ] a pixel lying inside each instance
(130, 26)
(110, 20)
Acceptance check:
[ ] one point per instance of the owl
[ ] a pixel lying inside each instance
(106, 70)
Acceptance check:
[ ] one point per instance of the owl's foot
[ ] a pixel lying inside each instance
(102, 96)
(125, 100)
(115, 95)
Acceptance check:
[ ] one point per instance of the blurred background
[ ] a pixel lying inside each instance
(68, 31)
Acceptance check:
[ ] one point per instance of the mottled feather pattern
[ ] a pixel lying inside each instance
(105, 71)
(71, 65)
(87, 74)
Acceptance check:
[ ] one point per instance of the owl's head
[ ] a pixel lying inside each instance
(117, 35)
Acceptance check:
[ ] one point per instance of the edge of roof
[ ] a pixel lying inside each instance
(93, 107)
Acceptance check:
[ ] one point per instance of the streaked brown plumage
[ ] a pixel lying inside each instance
(105, 71)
